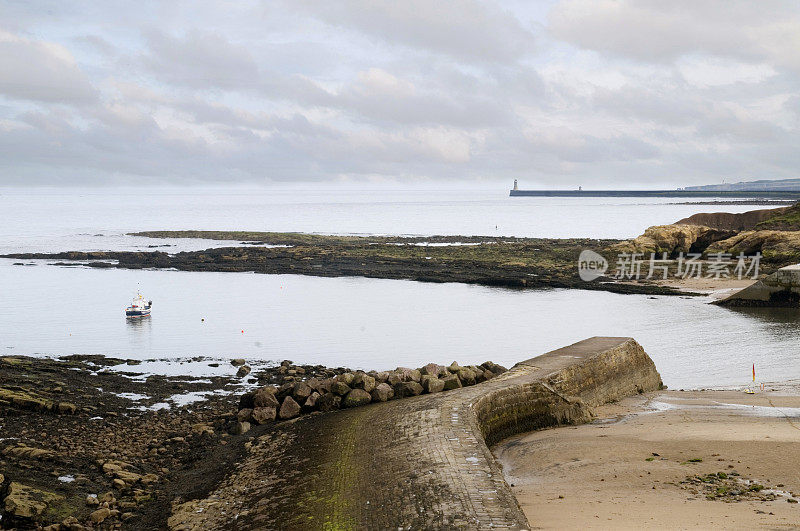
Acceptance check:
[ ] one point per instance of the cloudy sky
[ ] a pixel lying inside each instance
(555, 93)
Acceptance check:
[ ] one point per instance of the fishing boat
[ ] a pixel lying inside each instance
(139, 308)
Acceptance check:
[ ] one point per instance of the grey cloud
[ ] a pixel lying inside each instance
(605, 92)
(466, 29)
(655, 30)
(41, 71)
(200, 60)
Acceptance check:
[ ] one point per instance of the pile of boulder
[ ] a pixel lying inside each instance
(351, 389)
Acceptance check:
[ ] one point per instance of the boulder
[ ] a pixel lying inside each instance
(382, 392)
(493, 367)
(381, 377)
(454, 367)
(99, 515)
(66, 408)
(363, 381)
(26, 502)
(265, 397)
(244, 415)
(246, 401)
(329, 402)
(346, 378)
(409, 375)
(289, 408)
(466, 376)
(301, 392)
(237, 362)
(243, 371)
(240, 428)
(284, 390)
(262, 415)
(202, 428)
(127, 477)
(29, 452)
(149, 479)
(311, 402)
(404, 389)
(433, 369)
(451, 382)
(478, 372)
(394, 378)
(324, 386)
(340, 388)
(356, 397)
(432, 384)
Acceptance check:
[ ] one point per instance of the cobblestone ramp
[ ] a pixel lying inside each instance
(421, 462)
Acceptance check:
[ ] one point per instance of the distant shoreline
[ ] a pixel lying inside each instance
(740, 202)
(766, 194)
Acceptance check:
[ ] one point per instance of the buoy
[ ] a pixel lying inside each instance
(202, 319)
(243, 331)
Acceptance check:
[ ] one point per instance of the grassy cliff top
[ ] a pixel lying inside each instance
(787, 220)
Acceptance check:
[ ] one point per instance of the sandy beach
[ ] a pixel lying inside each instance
(648, 462)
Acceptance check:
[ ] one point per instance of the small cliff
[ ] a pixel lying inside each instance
(775, 233)
(673, 239)
(729, 221)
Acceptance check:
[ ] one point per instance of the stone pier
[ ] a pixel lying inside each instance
(421, 462)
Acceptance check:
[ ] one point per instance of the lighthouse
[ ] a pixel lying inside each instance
(515, 185)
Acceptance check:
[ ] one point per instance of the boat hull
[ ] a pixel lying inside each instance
(136, 314)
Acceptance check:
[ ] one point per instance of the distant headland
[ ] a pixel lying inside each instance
(776, 189)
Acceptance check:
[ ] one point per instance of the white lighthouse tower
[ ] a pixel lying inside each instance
(515, 185)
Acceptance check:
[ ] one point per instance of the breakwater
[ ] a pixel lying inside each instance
(422, 462)
(767, 194)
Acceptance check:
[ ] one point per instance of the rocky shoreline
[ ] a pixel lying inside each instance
(519, 263)
(85, 446)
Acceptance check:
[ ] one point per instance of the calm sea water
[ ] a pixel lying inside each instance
(366, 323)
(53, 220)
(380, 324)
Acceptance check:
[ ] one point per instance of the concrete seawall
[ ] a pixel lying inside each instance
(781, 288)
(422, 462)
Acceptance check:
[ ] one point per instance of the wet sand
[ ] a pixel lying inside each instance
(607, 475)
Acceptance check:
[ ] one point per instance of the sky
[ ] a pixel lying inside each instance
(557, 94)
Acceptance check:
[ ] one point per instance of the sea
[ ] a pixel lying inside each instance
(56, 310)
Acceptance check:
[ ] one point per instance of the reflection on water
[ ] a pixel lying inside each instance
(777, 316)
(379, 324)
(138, 324)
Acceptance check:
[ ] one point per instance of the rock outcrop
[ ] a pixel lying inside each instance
(772, 244)
(25, 505)
(673, 239)
(732, 221)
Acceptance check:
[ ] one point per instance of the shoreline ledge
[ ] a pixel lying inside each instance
(421, 462)
(493, 261)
